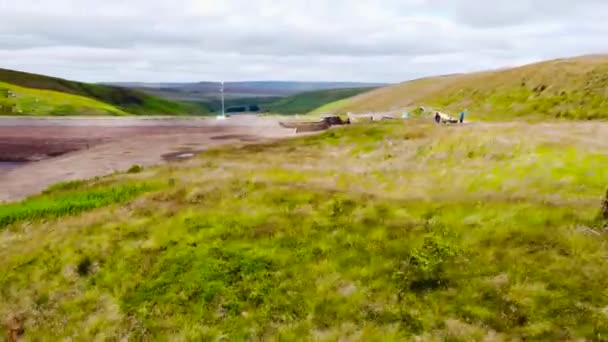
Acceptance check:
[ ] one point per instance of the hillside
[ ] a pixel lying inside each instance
(209, 91)
(51, 103)
(569, 88)
(126, 100)
(305, 102)
(371, 232)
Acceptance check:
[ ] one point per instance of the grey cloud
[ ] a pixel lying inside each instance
(383, 40)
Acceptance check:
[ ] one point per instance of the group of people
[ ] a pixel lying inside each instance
(440, 117)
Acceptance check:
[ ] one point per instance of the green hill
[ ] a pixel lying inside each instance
(125, 100)
(50, 103)
(574, 88)
(370, 232)
(241, 104)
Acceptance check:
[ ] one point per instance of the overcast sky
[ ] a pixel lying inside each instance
(345, 40)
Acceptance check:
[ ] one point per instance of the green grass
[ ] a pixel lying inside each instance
(568, 89)
(115, 100)
(56, 202)
(384, 231)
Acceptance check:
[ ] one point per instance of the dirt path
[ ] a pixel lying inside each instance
(101, 150)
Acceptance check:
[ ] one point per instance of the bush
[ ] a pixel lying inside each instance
(135, 169)
(425, 267)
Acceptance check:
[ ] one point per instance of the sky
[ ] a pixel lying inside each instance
(305, 40)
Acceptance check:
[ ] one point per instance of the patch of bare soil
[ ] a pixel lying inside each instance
(27, 143)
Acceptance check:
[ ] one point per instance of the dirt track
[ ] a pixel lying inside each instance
(70, 150)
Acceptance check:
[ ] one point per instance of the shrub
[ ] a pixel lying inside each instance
(424, 269)
(135, 169)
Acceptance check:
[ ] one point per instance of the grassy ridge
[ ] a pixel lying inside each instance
(130, 101)
(389, 232)
(570, 88)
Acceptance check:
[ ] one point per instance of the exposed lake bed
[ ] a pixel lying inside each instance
(65, 149)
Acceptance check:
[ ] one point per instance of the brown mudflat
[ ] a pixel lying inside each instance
(70, 152)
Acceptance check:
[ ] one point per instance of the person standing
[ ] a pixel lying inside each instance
(462, 116)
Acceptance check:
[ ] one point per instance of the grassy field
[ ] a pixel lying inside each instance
(570, 88)
(379, 231)
(122, 99)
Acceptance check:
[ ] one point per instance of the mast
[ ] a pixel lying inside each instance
(223, 115)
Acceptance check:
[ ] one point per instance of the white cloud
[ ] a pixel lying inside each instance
(367, 40)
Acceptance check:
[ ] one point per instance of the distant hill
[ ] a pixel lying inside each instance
(242, 104)
(575, 88)
(300, 103)
(209, 91)
(125, 100)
